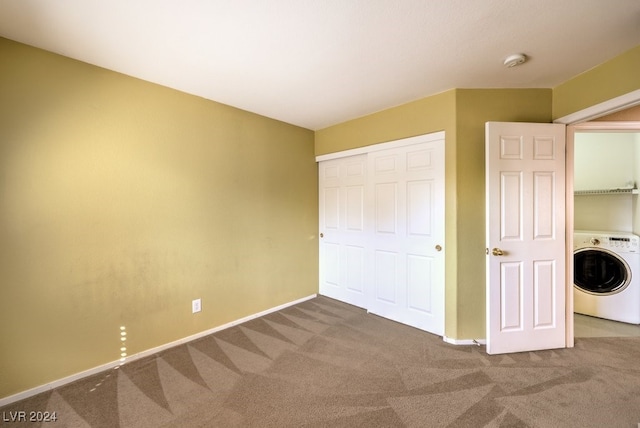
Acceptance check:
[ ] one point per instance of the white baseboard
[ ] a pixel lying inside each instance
(60, 382)
(452, 341)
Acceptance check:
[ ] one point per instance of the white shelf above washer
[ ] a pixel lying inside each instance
(633, 191)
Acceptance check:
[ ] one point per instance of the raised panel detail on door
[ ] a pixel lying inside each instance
(543, 205)
(386, 276)
(419, 274)
(355, 168)
(331, 172)
(419, 200)
(386, 207)
(384, 164)
(355, 208)
(331, 208)
(510, 147)
(511, 206)
(355, 268)
(511, 295)
(544, 291)
(543, 148)
(332, 264)
(419, 159)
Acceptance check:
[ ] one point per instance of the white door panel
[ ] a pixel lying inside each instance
(386, 277)
(386, 203)
(419, 200)
(409, 226)
(355, 208)
(420, 271)
(525, 236)
(355, 257)
(342, 224)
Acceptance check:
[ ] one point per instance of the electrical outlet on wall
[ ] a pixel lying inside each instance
(196, 305)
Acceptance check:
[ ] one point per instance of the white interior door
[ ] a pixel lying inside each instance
(343, 239)
(407, 196)
(525, 190)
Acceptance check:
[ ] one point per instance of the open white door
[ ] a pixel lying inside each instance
(525, 191)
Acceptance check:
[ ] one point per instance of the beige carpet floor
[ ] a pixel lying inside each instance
(323, 363)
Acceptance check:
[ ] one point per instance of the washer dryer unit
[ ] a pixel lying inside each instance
(607, 275)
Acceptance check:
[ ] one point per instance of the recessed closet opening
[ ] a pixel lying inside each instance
(606, 220)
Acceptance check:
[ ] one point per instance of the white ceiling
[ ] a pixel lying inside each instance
(315, 63)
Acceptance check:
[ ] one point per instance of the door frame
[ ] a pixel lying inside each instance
(402, 142)
(576, 121)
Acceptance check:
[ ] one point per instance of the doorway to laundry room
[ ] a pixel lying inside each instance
(606, 219)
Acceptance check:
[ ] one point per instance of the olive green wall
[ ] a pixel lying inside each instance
(121, 201)
(431, 114)
(475, 107)
(614, 78)
(462, 114)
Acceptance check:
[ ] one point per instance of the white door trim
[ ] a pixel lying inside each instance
(610, 106)
(434, 136)
(613, 105)
(571, 130)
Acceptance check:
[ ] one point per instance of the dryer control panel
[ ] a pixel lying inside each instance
(619, 242)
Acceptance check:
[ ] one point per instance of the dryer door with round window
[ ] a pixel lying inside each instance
(599, 271)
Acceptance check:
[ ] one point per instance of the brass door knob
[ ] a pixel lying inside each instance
(497, 252)
(438, 248)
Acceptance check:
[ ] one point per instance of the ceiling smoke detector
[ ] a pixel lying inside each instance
(515, 59)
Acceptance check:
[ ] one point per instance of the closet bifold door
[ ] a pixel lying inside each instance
(382, 231)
